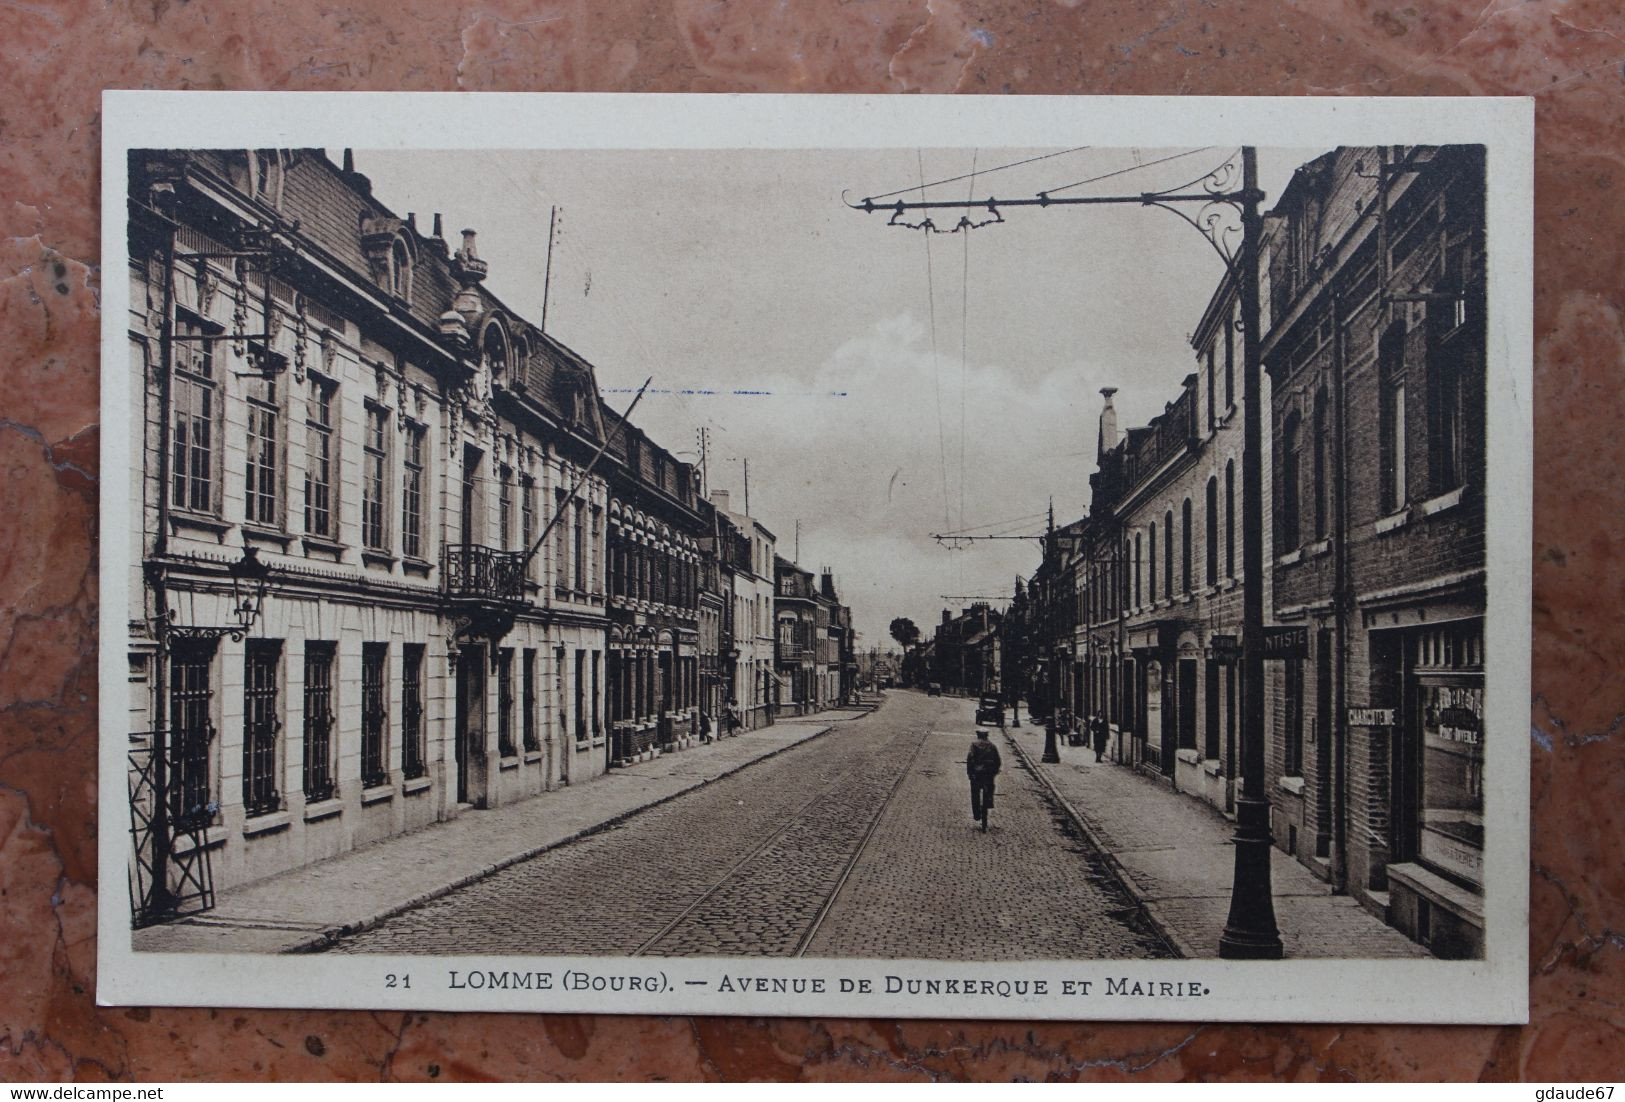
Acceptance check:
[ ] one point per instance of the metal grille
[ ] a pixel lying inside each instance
(319, 782)
(528, 720)
(260, 727)
(412, 763)
(374, 715)
(191, 797)
(505, 702)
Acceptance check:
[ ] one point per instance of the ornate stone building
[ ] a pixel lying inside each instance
(348, 449)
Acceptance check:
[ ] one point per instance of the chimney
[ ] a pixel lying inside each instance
(947, 617)
(1108, 422)
(719, 498)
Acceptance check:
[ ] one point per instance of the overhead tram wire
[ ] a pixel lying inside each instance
(1131, 168)
(964, 332)
(936, 365)
(986, 171)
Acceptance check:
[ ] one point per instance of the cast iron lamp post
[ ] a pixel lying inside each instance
(1250, 933)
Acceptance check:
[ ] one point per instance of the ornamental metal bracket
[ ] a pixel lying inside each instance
(1219, 194)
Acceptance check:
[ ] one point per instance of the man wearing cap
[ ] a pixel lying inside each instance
(982, 764)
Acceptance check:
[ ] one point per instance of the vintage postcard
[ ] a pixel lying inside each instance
(890, 556)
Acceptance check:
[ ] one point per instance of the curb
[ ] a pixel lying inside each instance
(1146, 907)
(324, 940)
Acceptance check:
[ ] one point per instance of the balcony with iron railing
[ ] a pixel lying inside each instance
(488, 575)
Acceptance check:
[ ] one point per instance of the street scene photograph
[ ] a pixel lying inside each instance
(906, 554)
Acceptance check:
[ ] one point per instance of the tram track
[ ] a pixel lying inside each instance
(775, 898)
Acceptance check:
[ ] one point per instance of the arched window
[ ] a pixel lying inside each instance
(1230, 518)
(495, 349)
(1136, 570)
(1212, 531)
(400, 269)
(1185, 545)
(1168, 555)
(1151, 564)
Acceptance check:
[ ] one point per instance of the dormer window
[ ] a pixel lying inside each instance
(400, 270)
(390, 254)
(494, 347)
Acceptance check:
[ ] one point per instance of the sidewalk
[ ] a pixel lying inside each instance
(1174, 854)
(301, 909)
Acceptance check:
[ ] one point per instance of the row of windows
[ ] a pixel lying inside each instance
(642, 572)
(197, 458)
(197, 455)
(1445, 396)
(195, 801)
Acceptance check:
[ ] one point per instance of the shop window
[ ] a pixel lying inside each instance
(1292, 740)
(1449, 713)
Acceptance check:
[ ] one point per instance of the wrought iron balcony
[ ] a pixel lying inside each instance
(473, 572)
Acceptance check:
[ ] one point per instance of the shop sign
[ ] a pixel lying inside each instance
(1288, 642)
(1371, 717)
(1226, 648)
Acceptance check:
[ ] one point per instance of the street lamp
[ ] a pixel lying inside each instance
(1250, 931)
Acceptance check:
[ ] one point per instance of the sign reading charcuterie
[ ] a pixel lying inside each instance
(1371, 717)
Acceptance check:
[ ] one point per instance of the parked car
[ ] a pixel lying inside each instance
(990, 709)
(934, 689)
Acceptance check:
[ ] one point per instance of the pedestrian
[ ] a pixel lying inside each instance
(733, 717)
(1097, 728)
(705, 725)
(982, 765)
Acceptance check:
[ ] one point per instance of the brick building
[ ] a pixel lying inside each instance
(1375, 346)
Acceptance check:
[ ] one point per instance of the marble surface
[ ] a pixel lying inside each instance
(59, 54)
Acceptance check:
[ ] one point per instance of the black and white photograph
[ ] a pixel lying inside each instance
(981, 558)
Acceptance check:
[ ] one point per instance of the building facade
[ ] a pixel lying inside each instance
(349, 447)
(655, 529)
(755, 687)
(1376, 347)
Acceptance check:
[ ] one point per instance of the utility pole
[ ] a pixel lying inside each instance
(1250, 932)
(547, 278)
(747, 488)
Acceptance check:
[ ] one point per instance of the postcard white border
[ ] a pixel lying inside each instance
(1494, 990)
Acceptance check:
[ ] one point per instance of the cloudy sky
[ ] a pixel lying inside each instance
(885, 384)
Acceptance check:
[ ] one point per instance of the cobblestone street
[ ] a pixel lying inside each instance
(859, 843)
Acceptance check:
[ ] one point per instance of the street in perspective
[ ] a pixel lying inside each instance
(845, 573)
